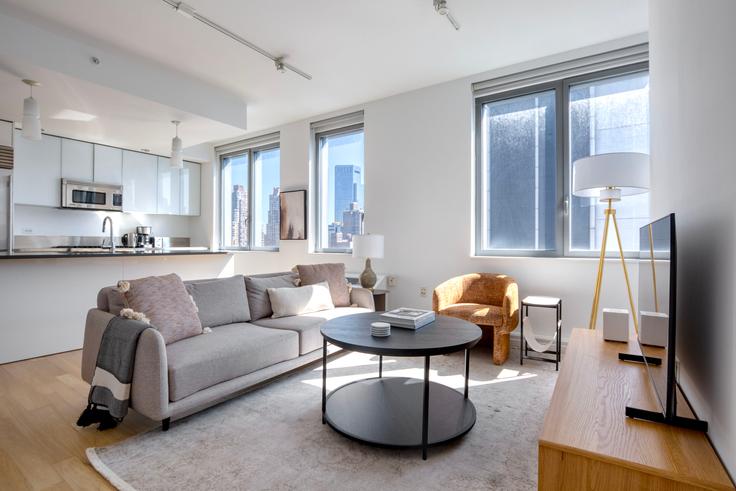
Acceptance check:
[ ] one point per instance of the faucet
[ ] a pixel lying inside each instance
(112, 241)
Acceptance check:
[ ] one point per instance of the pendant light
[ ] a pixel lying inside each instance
(177, 157)
(31, 114)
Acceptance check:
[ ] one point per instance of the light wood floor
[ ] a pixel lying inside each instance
(40, 445)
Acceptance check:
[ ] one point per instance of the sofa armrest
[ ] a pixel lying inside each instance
(149, 392)
(362, 297)
(94, 327)
(447, 293)
(510, 307)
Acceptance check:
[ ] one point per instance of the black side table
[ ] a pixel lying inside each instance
(379, 298)
(548, 303)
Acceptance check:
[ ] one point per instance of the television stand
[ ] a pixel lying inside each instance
(651, 360)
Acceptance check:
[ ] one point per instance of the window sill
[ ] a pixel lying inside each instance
(564, 258)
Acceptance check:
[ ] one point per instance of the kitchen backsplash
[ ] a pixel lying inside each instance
(40, 220)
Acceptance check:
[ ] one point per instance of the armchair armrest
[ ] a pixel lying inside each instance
(447, 293)
(510, 307)
(362, 297)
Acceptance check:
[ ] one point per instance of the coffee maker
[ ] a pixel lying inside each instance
(141, 238)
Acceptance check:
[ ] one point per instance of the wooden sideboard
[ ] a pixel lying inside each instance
(587, 442)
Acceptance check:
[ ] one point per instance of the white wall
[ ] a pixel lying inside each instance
(418, 154)
(693, 76)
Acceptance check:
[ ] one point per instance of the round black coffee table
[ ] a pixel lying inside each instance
(387, 411)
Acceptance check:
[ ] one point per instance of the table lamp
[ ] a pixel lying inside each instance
(368, 246)
(608, 177)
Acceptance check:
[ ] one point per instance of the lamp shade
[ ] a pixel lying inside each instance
(627, 172)
(369, 246)
(31, 119)
(177, 153)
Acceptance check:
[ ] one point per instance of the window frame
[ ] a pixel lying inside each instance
(316, 182)
(250, 152)
(561, 87)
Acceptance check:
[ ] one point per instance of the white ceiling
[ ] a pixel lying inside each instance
(356, 50)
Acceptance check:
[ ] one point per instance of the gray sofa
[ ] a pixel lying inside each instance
(176, 380)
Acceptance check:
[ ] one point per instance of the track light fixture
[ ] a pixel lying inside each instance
(31, 114)
(189, 12)
(440, 6)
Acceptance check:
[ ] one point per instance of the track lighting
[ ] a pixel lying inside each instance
(440, 6)
(279, 62)
(177, 156)
(31, 114)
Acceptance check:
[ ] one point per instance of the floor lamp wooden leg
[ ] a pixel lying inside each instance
(599, 278)
(626, 274)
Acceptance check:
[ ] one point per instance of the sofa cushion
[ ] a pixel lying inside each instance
(226, 353)
(477, 313)
(256, 289)
(287, 302)
(166, 302)
(308, 325)
(333, 274)
(221, 301)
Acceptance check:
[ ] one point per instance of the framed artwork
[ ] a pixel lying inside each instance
(293, 217)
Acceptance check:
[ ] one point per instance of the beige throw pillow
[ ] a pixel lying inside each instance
(333, 274)
(301, 300)
(164, 300)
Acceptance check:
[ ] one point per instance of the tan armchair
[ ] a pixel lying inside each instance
(485, 299)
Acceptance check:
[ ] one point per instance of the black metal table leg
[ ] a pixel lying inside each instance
(467, 371)
(521, 343)
(380, 366)
(324, 378)
(425, 409)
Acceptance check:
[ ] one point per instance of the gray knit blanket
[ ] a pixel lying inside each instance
(110, 391)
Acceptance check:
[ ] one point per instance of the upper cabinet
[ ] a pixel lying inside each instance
(139, 182)
(168, 188)
(189, 192)
(76, 160)
(37, 171)
(6, 133)
(108, 165)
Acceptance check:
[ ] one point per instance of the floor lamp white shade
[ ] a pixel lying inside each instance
(611, 175)
(31, 119)
(368, 246)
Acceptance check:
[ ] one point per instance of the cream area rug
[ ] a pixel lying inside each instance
(273, 438)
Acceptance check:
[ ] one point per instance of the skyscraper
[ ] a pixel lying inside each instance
(347, 188)
(271, 237)
(352, 221)
(239, 224)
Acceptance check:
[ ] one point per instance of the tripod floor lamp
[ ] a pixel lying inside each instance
(608, 177)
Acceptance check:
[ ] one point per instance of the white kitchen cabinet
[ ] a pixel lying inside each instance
(167, 202)
(37, 171)
(140, 172)
(6, 133)
(189, 192)
(76, 160)
(108, 165)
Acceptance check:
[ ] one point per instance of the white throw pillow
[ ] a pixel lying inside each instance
(301, 300)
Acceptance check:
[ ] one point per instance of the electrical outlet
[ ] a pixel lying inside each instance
(423, 292)
(391, 281)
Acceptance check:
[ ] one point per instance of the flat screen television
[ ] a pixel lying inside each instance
(657, 333)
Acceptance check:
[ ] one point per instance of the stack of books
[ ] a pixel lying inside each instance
(408, 318)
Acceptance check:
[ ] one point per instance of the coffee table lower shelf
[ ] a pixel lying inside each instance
(387, 412)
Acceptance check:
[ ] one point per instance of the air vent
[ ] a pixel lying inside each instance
(6, 157)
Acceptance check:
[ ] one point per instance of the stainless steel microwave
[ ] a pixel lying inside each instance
(91, 196)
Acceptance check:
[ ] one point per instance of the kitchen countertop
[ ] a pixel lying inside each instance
(49, 254)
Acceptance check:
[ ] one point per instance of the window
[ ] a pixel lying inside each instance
(249, 178)
(526, 143)
(340, 181)
(518, 172)
(607, 115)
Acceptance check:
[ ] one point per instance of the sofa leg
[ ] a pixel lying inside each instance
(500, 346)
(165, 424)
